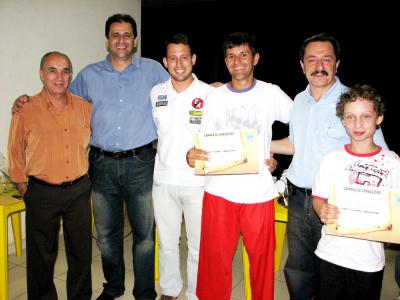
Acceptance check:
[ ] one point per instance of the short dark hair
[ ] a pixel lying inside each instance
(361, 92)
(240, 38)
(178, 38)
(120, 18)
(321, 37)
(48, 54)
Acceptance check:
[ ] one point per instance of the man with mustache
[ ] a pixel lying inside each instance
(314, 129)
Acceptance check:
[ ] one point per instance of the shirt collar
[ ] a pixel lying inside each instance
(45, 96)
(190, 87)
(136, 62)
(328, 94)
(232, 89)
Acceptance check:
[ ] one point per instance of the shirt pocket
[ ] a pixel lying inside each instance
(81, 135)
(335, 129)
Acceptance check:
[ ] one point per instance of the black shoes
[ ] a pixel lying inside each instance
(105, 296)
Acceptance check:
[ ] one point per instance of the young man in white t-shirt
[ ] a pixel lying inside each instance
(177, 106)
(240, 204)
(352, 268)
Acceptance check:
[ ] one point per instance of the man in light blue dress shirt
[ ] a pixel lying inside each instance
(314, 129)
(121, 155)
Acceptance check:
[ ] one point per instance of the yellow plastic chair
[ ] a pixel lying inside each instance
(281, 217)
(9, 206)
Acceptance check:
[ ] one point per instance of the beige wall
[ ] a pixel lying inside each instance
(30, 28)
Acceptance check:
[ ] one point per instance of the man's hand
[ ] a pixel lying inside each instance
(22, 187)
(19, 104)
(195, 154)
(271, 163)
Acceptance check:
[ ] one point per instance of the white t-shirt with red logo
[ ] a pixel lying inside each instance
(343, 167)
(177, 117)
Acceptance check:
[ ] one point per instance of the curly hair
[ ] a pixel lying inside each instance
(361, 92)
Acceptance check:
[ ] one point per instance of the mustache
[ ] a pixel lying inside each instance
(317, 72)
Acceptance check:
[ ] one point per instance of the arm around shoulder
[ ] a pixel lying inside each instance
(283, 146)
(19, 104)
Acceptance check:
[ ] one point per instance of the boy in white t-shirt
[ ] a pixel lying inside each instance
(352, 268)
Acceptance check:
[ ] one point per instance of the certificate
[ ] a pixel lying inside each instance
(230, 152)
(366, 212)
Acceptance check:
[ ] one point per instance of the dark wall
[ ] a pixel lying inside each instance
(367, 34)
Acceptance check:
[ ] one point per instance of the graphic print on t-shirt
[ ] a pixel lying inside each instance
(369, 173)
(242, 117)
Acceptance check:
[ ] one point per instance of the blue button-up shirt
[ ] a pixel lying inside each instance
(314, 129)
(121, 117)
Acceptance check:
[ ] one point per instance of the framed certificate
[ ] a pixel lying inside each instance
(230, 152)
(366, 213)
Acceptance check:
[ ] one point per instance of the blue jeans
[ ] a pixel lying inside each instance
(113, 182)
(303, 234)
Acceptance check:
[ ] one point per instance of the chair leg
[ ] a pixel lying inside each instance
(246, 273)
(17, 232)
(280, 231)
(3, 254)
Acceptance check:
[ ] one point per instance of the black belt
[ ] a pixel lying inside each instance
(294, 188)
(122, 154)
(63, 184)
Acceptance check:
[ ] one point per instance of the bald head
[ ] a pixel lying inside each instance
(48, 54)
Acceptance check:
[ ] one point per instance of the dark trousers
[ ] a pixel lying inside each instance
(46, 206)
(340, 283)
(303, 234)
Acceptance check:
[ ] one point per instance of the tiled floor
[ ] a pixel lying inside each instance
(17, 279)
